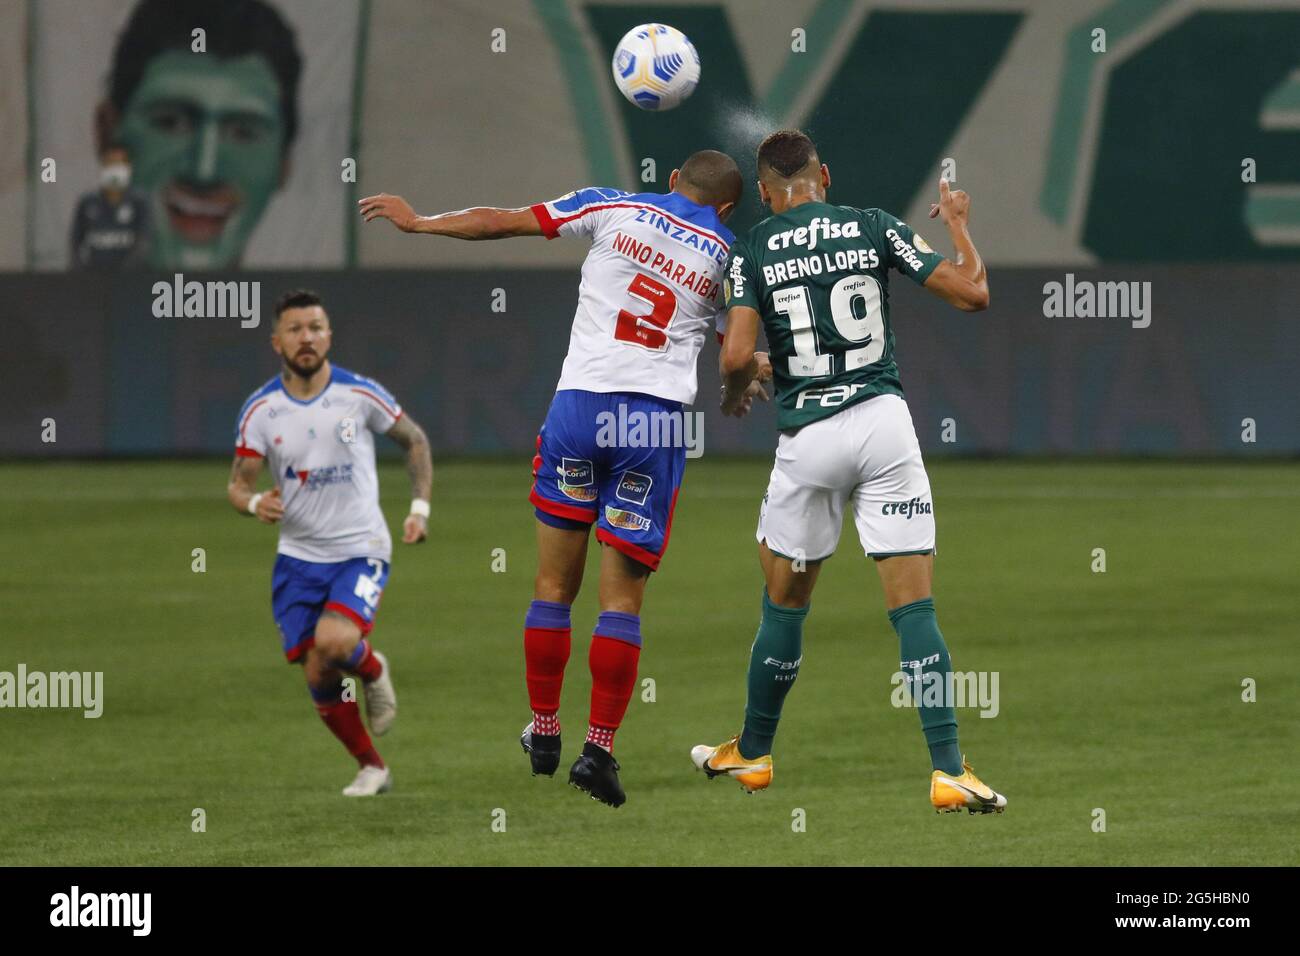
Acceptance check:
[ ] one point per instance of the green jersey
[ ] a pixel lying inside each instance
(819, 276)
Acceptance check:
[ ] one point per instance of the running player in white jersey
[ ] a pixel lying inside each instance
(313, 424)
(651, 287)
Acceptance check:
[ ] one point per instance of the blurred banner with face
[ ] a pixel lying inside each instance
(237, 118)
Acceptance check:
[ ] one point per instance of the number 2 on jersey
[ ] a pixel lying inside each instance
(856, 314)
(647, 330)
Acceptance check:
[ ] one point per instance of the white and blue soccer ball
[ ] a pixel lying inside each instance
(655, 66)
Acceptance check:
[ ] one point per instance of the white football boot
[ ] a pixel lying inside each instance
(381, 700)
(369, 782)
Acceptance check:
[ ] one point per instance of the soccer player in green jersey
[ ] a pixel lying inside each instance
(817, 277)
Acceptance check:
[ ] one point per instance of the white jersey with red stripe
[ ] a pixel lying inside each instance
(322, 455)
(651, 285)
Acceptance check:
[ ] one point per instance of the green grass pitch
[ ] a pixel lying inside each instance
(1119, 690)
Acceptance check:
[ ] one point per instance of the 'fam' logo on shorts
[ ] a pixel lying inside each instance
(626, 520)
(576, 478)
(634, 487)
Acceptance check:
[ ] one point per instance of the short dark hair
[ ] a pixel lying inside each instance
(786, 152)
(234, 28)
(712, 176)
(296, 299)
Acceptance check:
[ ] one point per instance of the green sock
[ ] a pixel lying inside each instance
(922, 645)
(773, 665)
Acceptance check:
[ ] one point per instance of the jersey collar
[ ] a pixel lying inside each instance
(314, 398)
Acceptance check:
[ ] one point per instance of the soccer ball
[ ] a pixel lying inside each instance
(655, 66)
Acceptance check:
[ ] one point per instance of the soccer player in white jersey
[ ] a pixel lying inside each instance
(651, 287)
(313, 424)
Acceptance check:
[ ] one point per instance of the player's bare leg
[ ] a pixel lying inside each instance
(773, 666)
(613, 659)
(622, 582)
(907, 581)
(789, 582)
(561, 558)
(341, 641)
(339, 710)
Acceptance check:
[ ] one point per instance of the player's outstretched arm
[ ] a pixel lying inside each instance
(743, 370)
(419, 465)
(961, 281)
(244, 497)
(481, 222)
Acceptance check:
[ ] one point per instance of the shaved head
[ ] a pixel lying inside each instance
(711, 178)
(787, 154)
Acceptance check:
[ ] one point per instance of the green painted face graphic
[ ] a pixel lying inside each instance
(205, 137)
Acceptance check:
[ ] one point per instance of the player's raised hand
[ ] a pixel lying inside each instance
(415, 529)
(393, 208)
(270, 508)
(953, 205)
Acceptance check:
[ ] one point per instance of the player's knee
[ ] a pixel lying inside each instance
(790, 588)
(336, 637)
(558, 588)
(789, 595)
(622, 603)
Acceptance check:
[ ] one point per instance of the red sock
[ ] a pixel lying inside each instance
(613, 665)
(546, 652)
(344, 721)
(367, 666)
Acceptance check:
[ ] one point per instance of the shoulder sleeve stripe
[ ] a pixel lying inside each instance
(587, 196)
(551, 215)
(395, 413)
(726, 247)
(243, 423)
(343, 377)
(266, 389)
(550, 228)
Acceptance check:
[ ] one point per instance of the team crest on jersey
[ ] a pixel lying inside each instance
(627, 520)
(346, 430)
(576, 478)
(634, 488)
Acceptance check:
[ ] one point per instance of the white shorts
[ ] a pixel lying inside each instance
(867, 452)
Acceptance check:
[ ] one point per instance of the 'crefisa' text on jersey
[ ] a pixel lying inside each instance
(819, 276)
